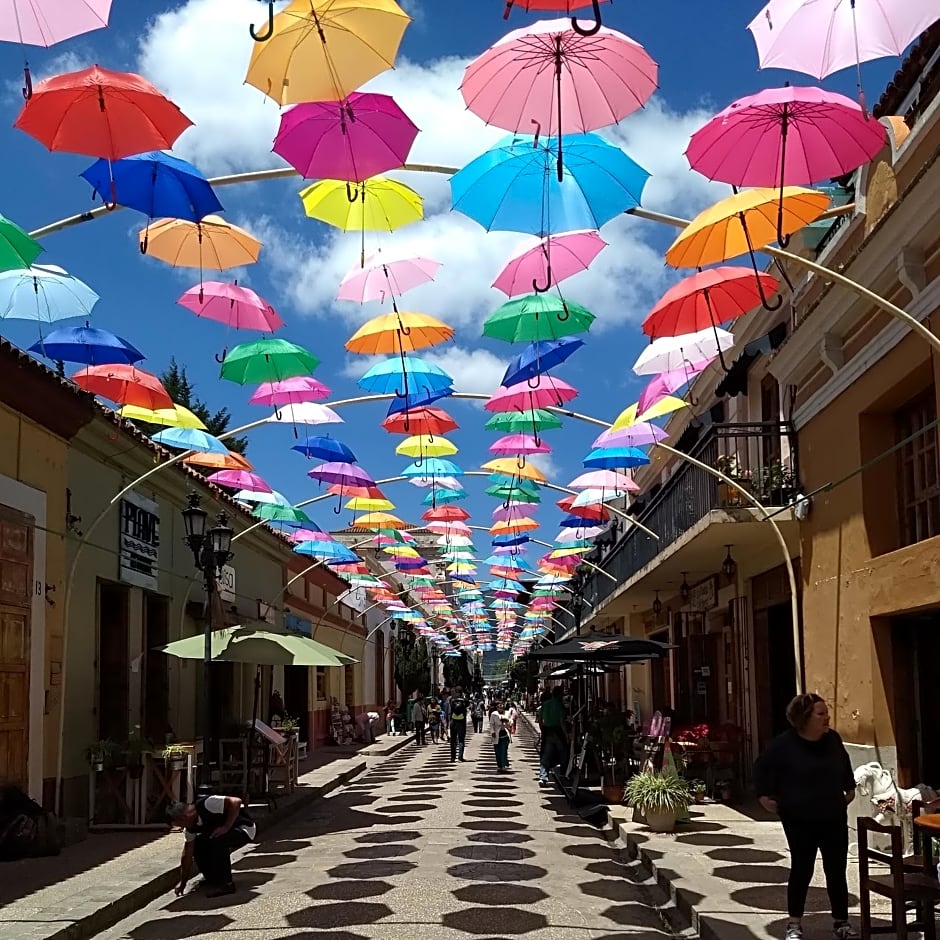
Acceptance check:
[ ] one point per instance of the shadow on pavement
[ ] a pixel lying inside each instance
(349, 890)
(181, 926)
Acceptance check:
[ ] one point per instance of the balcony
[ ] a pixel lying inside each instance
(692, 511)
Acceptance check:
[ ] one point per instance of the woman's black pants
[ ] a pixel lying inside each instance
(807, 838)
(214, 856)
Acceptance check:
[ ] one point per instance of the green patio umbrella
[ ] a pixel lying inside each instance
(522, 422)
(537, 317)
(17, 248)
(272, 512)
(267, 360)
(259, 645)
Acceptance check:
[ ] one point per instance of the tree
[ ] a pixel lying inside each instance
(525, 674)
(412, 666)
(457, 672)
(181, 390)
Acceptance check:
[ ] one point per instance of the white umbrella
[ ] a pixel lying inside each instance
(306, 412)
(250, 496)
(676, 352)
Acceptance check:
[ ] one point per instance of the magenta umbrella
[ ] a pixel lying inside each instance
(240, 480)
(362, 136)
(381, 277)
(641, 434)
(546, 264)
(237, 307)
(668, 382)
(790, 136)
(544, 391)
(291, 391)
(552, 80)
(345, 474)
(525, 444)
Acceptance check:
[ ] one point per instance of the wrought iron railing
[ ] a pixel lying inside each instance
(761, 457)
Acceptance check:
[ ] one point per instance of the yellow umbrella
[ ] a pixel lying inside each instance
(743, 223)
(376, 205)
(369, 504)
(424, 445)
(175, 417)
(398, 333)
(522, 524)
(212, 243)
(664, 406)
(509, 466)
(321, 50)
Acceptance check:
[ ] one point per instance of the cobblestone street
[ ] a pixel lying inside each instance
(423, 849)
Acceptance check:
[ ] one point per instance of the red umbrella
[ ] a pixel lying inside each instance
(100, 113)
(445, 514)
(708, 299)
(554, 6)
(596, 513)
(126, 385)
(420, 421)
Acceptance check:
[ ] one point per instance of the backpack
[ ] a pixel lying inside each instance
(458, 710)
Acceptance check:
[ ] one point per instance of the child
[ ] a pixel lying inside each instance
(501, 745)
(434, 721)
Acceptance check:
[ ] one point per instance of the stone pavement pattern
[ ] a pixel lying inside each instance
(423, 849)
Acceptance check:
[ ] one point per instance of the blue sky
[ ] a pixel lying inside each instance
(196, 52)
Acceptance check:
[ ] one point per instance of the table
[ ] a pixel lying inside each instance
(930, 824)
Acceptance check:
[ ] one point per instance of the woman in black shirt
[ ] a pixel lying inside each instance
(805, 777)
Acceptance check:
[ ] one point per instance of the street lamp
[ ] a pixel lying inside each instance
(211, 551)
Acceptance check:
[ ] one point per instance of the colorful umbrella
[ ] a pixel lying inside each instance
(48, 22)
(640, 434)
(155, 183)
(325, 448)
(545, 391)
(521, 444)
(558, 6)
(44, 293)
(86, 345)
(306, 412)
(669, 353)
(425, 445)
(420, 421)
(538, 358)
(393, 376)
(18, 249)
(100, 113)
(175, 417)
(514, 422)
(229, 461)
(382, 277)
(563, 82)
(663, 385)
(240, 480)
(398, 333)
(292, 391)
(343, 474)
(190, 439)
(551, 261)
(267, 360)
(513, 188)
(325, 52)
(708, 299)
(537, 318)
(272, 512)
(126, 385)
(363, 135)
(615, 458)
(210, 243)
(237, 307)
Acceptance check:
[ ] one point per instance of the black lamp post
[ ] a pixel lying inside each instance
(211, 550)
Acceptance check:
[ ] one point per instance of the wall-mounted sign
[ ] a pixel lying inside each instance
(139, 548)
(226, 585)
(704, 595)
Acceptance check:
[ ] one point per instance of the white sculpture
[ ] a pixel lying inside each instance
(892, 805)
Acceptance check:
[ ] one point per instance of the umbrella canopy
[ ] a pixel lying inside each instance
(514, 187)
(17, 248)
(515, 422)
(306, 412)
(210, 243)
(48, 22)
(612, 457)
(126, 385)
(155, 183)
(744, 222)
(344, 474)
(661, 387)
(86, 345)
(545, 265)
(426, 446)
(237, 307)
(325, 448)
(558, 6)
(325, 53)
(175, 417)
(398, 333)
(229, 461)
(190, 439)
(267, 360)
(545, 391)
(395, 375)
(375, 205)
(240, 480)
(523, 444)
(258, 644)
(420, 421)
(44, 293)
(537, 318)
(600, 646)
(381, 277)
(100, 113)
(363, 135)
(641, 434)
(538, 358)
(671, 353)
(292, 391)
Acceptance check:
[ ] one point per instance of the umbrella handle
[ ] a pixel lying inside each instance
(548, 281)
(520, 462)
(566, 313)
(146, 240)
(508, 9)
(538, 381)
(594, 28)
(27, 83)
(220, 359)
(351, 194)
(264, 37)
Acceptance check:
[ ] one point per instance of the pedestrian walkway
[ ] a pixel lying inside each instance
(421, 848)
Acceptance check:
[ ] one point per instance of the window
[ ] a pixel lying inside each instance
(919, 469)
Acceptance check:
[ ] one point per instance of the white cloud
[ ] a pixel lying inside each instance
(546, 463)
(473, 370)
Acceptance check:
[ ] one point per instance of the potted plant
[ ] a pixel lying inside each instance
(134, 750)
(99, 753)
(659, 797)
(175, 756)
(777, 485)
(289, 726)
(697, 789)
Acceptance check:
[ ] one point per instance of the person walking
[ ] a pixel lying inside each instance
(805, 777)
(434, 720)
(418, 717)
(458, 725)
(513, 717)
(551, 721)
(214, 827)
(478, 709)
(503, 739)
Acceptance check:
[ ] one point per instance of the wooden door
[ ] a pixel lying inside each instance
(16, 579)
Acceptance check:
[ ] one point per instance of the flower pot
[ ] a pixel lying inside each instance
(661, 822)
(176, 763)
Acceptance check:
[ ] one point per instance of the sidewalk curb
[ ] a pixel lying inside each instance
(114, 912)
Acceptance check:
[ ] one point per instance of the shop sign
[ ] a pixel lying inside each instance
(226, 585)
(704, 595)
(139, 548)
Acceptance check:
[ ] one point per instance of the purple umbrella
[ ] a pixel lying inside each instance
(362, 136)
(668, 382)
(641, 434)
(345, 474)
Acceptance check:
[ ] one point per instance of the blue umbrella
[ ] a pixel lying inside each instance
(539, 357)
(397, 376)
(511, 539)
(325, 448)
(86, 345)
(190, 439)
(439, 497)
(608, 458)
(155, 183)
(419, 400)
(45, 293)
(514, 188)
(432, 467)
(330, 551)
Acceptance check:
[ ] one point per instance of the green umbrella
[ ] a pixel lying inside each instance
(17, 249)
(522, 422)
(537, 317)
(272, 512)
(267, 360)
(261, 645)
(514, 491)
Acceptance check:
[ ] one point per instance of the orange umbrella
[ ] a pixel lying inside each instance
(399, 333)
(126, 385)
(229, 461)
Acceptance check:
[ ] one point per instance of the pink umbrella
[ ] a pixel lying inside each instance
(547, 391)
(511, 444)
(512, 512)
(237, 307)
(549, 262)
(668, 382)
(309, 535)
(240, 480)
(290, 392)
(788, 136)
(604, 480)
(551, 79)
(364, 135)
(384, 277)
(641, 434)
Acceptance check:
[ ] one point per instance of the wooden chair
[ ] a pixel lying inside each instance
(919, 890)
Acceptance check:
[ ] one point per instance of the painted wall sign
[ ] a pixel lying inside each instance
(139, 548)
